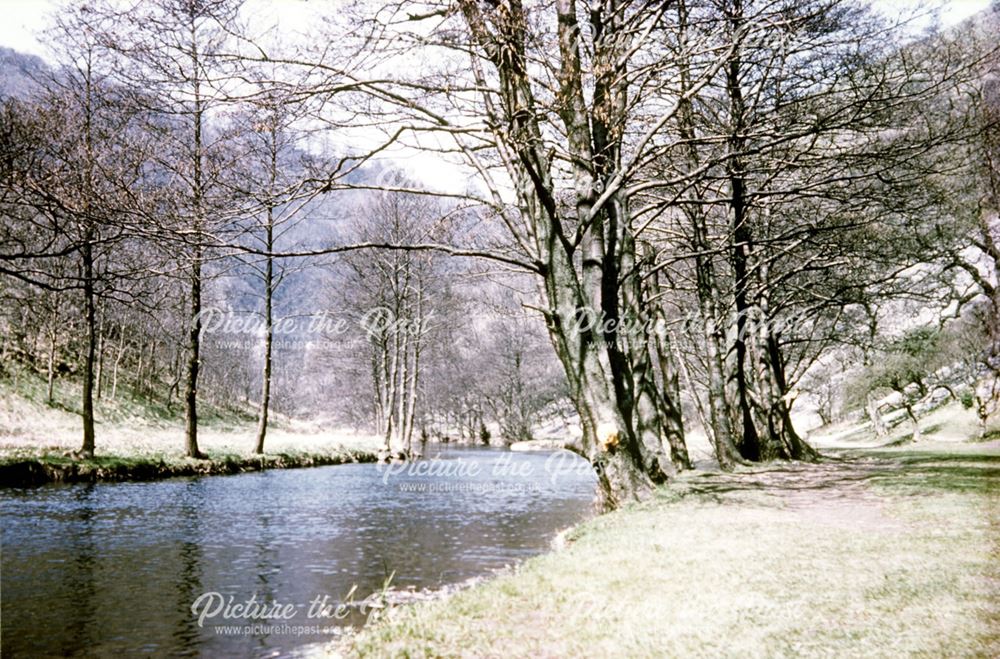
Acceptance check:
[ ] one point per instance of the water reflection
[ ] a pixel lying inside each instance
(79, 614)
(189, 578)
(115, 568)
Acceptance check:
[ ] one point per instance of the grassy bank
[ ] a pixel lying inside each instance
(22, 470)
(895, 553)
(140, 439)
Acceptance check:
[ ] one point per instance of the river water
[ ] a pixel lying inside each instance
(115, 568)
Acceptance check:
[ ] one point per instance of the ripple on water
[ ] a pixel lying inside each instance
(114, 567)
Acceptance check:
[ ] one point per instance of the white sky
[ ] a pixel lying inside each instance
(21, 20)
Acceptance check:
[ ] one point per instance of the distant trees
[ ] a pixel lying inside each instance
(906, 367)
(398, 298)
(517, 389)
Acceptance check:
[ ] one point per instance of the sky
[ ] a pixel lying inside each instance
(21, 20)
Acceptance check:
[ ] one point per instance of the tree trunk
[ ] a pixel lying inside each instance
(671, 413)
(415, 372)
(87, 254)
(101, 345)
(789, 442)
(399, 445)
(741, 237)
(916, 423)
(719, 426)
(118, 361)
(175, 378)
(377, 405)
(391, 392)
(655, 418)
(774, 439)
(90, 356)
(50, 390)
(197, 197)
(137, 378)
(875, 416)
(609, 440)
(265, 386)
(193, 363)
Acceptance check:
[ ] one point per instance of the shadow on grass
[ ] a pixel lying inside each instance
(956, 472)
(848, 476)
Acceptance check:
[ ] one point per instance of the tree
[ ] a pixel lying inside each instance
(169, 54)
(72, 173)
(908, 364)
(806, 203)
(270, 164)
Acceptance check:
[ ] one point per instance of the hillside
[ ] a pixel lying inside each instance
(18, 72)
(132, 426)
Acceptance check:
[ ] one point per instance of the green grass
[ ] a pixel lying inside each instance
(140, 438)
(127, 405)
(876, 555)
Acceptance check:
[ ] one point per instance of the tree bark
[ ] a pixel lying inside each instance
(118, 361)
(101, 346)
(875, 416)
(720, 429)
(87, 254)
(197, 197)
(265, 386)
(193, 363)
(741, 243)
(90, 352)
(916, 423)
(50, 390)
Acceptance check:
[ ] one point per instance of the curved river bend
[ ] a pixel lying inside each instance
(115, 567)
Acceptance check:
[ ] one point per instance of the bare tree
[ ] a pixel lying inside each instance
(168, 51)
(394, 296)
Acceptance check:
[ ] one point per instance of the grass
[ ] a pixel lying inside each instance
(887, 554)
(947, 423)
(139, 438)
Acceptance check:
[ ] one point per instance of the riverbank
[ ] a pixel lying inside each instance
(876, 553)
(18, 471)
(139, 439)
(141, 451)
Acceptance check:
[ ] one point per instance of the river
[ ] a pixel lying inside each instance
(115, 568)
